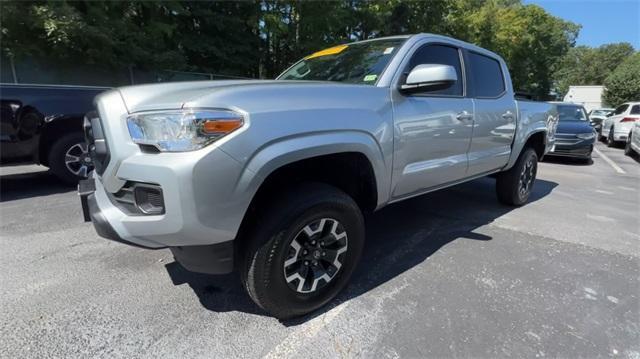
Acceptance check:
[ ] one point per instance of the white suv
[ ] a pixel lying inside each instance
(616, 127)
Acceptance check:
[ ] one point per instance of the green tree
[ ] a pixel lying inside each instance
(92, 32)
(583, 65)
(529, 39)
(260, 38)
(623, 84)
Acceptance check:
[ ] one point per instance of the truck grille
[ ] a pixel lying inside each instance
(96, 142)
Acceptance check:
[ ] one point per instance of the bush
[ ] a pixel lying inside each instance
(623, 84)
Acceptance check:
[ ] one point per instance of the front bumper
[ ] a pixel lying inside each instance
(211, 259)
(570, 151)
(572, 147)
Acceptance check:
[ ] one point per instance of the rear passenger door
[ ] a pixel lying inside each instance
(494, 113)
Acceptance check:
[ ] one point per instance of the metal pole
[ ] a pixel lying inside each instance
(131, 74)
(13, 70)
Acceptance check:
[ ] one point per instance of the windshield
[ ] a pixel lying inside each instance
(601, 112)
(359, 63)
(571, 113)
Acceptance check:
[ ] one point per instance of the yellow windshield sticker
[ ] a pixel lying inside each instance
(330, 51)
(369, 78)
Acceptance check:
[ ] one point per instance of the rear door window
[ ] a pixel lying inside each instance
(621, 109)
(635, 110)
(486, 76)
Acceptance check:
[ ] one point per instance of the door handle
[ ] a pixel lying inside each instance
(507, 115)
(464, 115)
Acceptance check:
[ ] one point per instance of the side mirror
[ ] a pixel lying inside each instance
(430, 76)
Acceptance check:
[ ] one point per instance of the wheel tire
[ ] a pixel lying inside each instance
(270, 243)
(58, 153)
(508, 185)
(627, 146)
(610, 141)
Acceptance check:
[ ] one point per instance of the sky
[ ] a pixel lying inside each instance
(603, 21)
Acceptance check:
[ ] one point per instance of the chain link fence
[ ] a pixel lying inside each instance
(31, 71)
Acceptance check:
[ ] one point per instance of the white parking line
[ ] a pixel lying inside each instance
(298, 338)
(609, 161)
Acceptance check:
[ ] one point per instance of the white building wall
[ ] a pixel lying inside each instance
(588, 96)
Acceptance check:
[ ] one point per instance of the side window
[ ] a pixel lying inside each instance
(486, 76)
(635, 110)
(621, 109)
(439, 55)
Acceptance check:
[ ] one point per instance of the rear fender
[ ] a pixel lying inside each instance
(530, 123)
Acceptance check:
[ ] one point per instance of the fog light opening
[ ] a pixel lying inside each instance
(149, 199)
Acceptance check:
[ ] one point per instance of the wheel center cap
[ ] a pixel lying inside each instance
(317, 254)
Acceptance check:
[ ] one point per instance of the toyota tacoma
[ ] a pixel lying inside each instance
(272, 177)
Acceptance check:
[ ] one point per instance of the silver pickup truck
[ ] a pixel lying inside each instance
(272, 177)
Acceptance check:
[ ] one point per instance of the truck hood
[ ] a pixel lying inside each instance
(175, 95)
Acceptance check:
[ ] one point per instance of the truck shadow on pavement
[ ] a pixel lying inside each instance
(399, 237)
(31, 184)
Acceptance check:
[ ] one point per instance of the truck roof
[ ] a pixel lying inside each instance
(426, 35)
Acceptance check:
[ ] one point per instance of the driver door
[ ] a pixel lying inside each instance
(433, 127)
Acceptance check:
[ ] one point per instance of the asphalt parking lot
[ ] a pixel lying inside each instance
(448, 274)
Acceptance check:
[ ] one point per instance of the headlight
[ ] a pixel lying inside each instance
(182, 130)
(586, 136)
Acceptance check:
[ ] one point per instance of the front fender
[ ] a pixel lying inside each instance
(288, 150)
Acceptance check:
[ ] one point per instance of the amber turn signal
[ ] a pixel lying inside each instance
(221, 126)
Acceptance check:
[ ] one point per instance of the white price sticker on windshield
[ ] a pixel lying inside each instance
(388, 50)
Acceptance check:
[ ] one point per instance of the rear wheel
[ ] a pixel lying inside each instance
(610, 140)
(514, 186)
(69, 158)
(303, 251)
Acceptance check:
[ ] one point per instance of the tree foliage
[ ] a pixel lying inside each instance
(584, 65)
(260, 38)
(623, 84)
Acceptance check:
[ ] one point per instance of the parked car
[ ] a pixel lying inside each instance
(597, 116)
(616, 127)
(633, 140)
(272, 177)
(43, 124)
(574, 136)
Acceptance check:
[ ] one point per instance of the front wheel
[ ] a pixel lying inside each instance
(303, 251)
(627, 146)
(514, 186)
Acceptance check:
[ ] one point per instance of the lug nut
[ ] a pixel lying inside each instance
(322, 243)
(313, 243)
(324, 253)
(304, 252)
(306, 263)
(315, 263)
